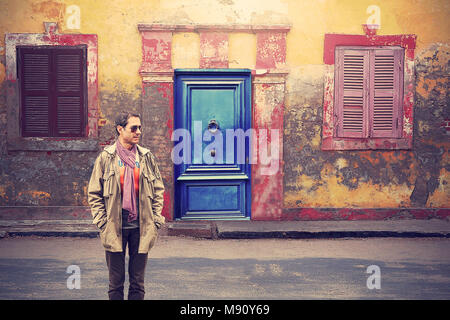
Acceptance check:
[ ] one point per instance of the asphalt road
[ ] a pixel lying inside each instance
(187, 268)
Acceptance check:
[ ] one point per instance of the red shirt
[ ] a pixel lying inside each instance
(136, 177)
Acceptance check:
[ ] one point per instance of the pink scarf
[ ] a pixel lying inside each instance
(128, 157)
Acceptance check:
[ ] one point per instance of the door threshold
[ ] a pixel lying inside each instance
(215, 218)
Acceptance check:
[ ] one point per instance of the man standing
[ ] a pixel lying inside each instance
(125, 194)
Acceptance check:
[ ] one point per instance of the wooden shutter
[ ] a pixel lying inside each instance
(52, 84)
(351, 91)
(69, 92)
(386, 92)
(35, 84)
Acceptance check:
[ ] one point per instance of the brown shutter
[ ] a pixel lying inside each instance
(386, 92)
(69, 92)
(35, 83)
(52, 84)
(351, 91)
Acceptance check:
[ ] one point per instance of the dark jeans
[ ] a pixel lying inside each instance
(136, 268)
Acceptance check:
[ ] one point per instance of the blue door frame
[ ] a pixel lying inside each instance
(211, 182)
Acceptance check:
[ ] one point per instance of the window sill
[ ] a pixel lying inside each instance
(337, 144)
(52, 144)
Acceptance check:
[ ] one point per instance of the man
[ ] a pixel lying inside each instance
(125, 194)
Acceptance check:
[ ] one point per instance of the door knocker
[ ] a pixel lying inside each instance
(213, 126)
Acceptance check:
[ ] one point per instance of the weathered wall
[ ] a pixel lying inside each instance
(375, 179)
(431, 143)
(312, 178)
(370, 179)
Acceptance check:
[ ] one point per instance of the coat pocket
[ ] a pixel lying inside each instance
(149, 189)
(108, 180)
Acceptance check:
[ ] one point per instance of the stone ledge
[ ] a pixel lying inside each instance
(411, 228)
(159, 27)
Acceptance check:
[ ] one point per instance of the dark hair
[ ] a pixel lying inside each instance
(122, 119)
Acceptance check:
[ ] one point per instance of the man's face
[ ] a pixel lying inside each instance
(131, 133)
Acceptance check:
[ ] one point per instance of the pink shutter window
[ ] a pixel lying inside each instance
(351, 92)
(386, 92)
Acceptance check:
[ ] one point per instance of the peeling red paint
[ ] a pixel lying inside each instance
(156, 51)
(167, 92)
(352, 214)
(270, 49)
(167, 210)
(165, 89)
(170, 121)
(267, 195)
(328, 104)
(407, 41)
(267, 190)
(213, 50)
(159, 95)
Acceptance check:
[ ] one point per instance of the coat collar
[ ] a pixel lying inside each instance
(112, 149)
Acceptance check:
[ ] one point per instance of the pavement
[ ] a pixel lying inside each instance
(406, 228)
(186, 268)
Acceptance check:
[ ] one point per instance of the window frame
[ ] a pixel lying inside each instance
(330, 141)
(14, 140)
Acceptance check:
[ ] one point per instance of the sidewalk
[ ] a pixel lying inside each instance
(407, 228)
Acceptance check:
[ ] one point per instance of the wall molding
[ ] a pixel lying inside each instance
(213, 27)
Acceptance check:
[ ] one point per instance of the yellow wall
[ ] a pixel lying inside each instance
(119, 56)
(115, 23)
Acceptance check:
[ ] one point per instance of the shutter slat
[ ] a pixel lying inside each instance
(68, 115)
(35, 117)
(36, 71)
(68, 75)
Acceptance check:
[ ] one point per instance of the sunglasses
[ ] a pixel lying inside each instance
(134, 128)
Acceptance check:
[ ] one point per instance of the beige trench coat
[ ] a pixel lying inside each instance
(105, 200)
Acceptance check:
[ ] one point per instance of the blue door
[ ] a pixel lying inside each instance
(211, 143)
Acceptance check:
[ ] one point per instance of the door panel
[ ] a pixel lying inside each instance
(213, 106)
(215, 199)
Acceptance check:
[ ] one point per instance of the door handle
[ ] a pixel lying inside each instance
(213, 152)
(213, 126)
